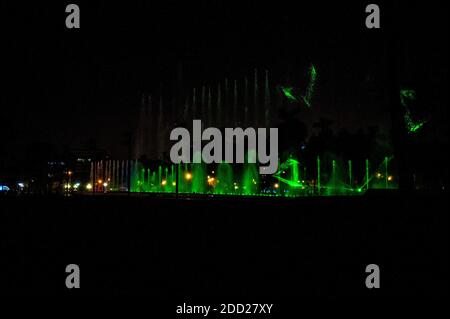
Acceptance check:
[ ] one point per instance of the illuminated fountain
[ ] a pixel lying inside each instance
(333, 179)
(225, 182)
(199, 181)
(229, 103)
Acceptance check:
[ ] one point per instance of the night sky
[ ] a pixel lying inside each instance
(65, 87)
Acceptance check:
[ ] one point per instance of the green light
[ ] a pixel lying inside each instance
(287, 91)
(412, 127)
(307, 99)
(310, 89)
(295, 174)
(416, 127)
(294, 184)
(293, 166)
(405, 95)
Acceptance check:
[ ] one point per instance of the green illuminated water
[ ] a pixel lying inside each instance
(330, 177)
(225, 183)
(198, 177)
(350, 174)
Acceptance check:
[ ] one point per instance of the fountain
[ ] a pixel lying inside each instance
(198, 175)
(225, 183)
(246, 103)
(209, 112)
(239, 179)
(267, 101)
(367, 174)
(255, 100)
(250, 179)
(318, 175)
(225, 103)
(219, 107)
(350, 174)
(235, 104)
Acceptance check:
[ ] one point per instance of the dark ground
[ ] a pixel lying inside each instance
(215, 248)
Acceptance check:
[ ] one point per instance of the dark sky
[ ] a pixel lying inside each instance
(65, 86)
